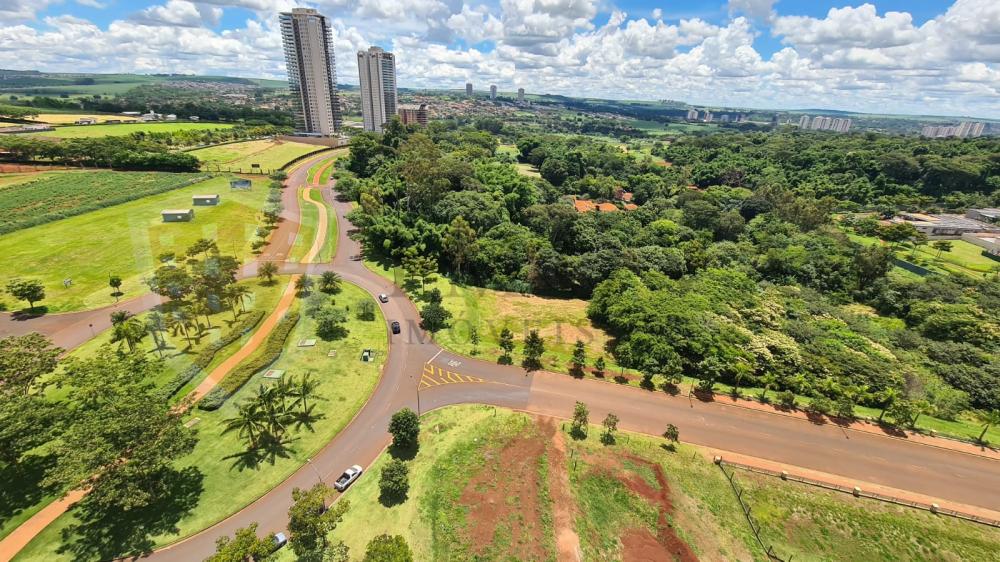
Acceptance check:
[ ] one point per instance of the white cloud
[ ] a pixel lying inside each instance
(762, 10)
(179, 13)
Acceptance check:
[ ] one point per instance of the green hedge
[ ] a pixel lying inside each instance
(205, 356)
(240, 375)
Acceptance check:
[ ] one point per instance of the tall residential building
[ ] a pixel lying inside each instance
(312, 71)
(377, 71)
(962, 130)
(411, 114)
(468, 89)
(520, 95)
(692, 115)
(708, 116)
(804, 122)
(493, 92)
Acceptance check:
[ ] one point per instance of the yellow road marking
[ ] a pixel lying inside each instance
(436, 376)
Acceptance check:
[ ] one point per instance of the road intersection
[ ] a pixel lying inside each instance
(422, 376)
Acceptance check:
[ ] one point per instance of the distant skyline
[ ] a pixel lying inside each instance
(893, 56)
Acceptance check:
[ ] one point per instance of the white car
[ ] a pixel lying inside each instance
(348, 478)
(280, 540)
(383, 298)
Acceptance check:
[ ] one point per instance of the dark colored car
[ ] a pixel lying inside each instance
(395, 327)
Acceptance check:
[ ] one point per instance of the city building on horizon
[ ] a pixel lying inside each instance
(520, 95)
(377, 73)
(493, 92)
(964, 130)
(312, 71)
(692, 115)
(413, 114)
(468, 89)
(823, 123)
(708, 116)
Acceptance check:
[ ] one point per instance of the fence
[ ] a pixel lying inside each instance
(768, 549)
(227, 169)
(857, 492)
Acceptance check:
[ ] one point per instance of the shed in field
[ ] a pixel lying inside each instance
(205, 200)
(178, 215)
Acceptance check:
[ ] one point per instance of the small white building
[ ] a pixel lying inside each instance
(170, 117)
(86, 121)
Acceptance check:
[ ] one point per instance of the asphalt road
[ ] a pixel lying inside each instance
(415, 363)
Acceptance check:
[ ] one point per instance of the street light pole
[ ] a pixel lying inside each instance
(312, 466)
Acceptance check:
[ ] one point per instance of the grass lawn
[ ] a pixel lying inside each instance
(124, 240)
(963, 258)
(177, 355)
(620, 490)
(57, 195)
(307, 229)
(270, 154)
(325, 176)
(224, 484)
(123, 129)
(16, 178)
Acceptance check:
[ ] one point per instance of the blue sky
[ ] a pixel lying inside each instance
(885, 55)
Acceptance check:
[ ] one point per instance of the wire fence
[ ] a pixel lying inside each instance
(858, 492)
(754, 526)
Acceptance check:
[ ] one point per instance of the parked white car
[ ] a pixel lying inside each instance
(348, 478)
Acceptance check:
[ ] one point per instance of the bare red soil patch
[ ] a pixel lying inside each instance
(505, 495)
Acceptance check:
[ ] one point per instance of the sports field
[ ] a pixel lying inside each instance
(123, 129)
(269, 154)
(71, 118)
(124, 240)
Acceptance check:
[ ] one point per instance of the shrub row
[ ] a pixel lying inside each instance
(205, 356)
(240, 375)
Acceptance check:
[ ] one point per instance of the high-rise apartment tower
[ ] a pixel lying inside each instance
(468, 89)
(377, 71)
(312, 71)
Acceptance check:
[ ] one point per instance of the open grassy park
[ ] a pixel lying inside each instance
(123, 129)
(491, 482)
(125, 240)
(223, 477)
(269, 154)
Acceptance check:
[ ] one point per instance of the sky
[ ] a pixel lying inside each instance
(887, 56)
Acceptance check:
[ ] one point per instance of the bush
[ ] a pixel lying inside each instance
(405, 428)
(205, 356)
(844, 408)
(819, 405)
(240, 375)
(786, 399)
(385, 548)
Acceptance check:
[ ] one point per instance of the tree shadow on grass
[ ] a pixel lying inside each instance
(407, 453)
(30, 313)
(269, 451)
(103, 534)
(816, 417)
(389, 500)
(21, 484)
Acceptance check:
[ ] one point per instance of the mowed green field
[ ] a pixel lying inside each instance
(124, 240)
(223, 484)
(269, 154)
(123, 129)
(53, 196)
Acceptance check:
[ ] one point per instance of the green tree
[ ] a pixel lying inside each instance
(304, 285)
(266, 271)
(249, 422)
(329, 282)
(434, 317)
(610, 424)
(459, 242)
(244, 546)
(506, 345)
(580, 419)
(29, 419)
(394, 482)
(988, 418)
(534, 348)
(579, 359)
(115, 282)
(599, 366)
(672, 435)
(310, 522)
(24, 360)
(404, 426)
(330, 322)
(30, 290)
(886, 399)
(366, 310)
(474, 339)
(903, 412)
(386, 548)
(123, 438)
(941, 246)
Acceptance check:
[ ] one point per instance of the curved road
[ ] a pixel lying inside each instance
(420, 375)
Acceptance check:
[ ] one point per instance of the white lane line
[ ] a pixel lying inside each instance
(435, 356)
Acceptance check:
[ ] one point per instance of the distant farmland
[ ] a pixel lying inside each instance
(58, 195)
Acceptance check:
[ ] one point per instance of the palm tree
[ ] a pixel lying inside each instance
(988, 417)
(249, 422)
(304, 389)
(154, 324)
(119, 317)
(267, 271)
(269, 401)
(769, 380)
(240, 293)
(131, 330)
(887, 397)
(329, 282)
(183, 318)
